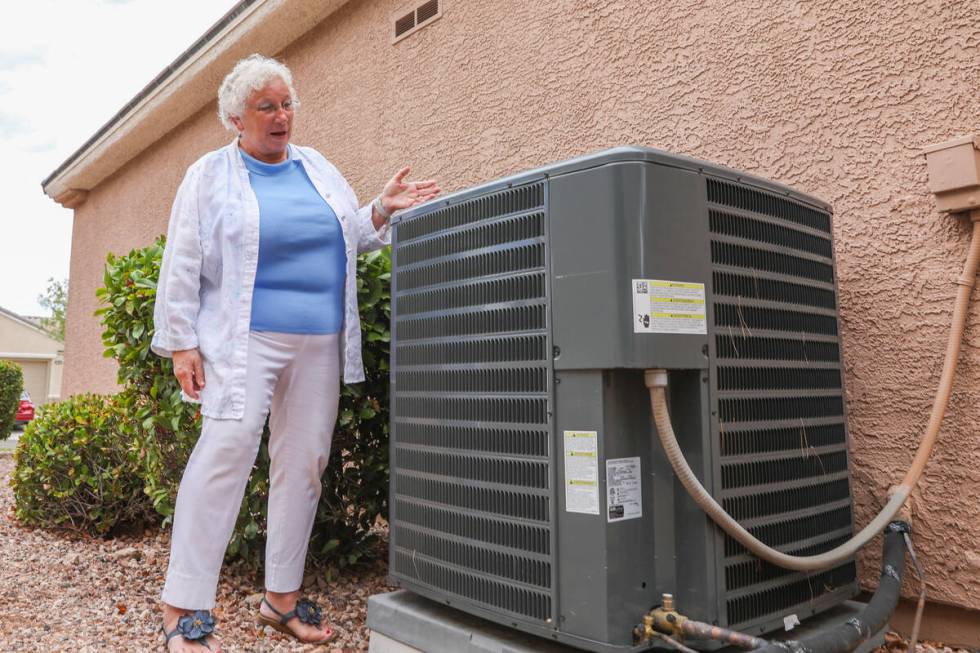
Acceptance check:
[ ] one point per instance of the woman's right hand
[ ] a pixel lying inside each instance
(189, 370)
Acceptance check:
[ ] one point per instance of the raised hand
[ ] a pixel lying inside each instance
(399, 194)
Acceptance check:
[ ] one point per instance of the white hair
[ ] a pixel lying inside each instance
(250, 74)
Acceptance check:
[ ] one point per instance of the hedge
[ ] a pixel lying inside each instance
(11, 385)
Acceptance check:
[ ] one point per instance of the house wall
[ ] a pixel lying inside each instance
(38, 355)
(832, 98)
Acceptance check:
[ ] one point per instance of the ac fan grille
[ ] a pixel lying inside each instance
(472, 482)
(780, 402)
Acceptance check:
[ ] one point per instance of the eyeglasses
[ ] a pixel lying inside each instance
(269, 108)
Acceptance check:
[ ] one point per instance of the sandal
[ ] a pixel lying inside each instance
(194, 627)
(306, 611)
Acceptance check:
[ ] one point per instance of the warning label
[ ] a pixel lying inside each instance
(582, 472)
(668, 307)
(623, 488)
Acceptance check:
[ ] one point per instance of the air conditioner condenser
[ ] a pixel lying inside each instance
(526, 487)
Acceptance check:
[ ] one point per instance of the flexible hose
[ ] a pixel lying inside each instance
(656, 381)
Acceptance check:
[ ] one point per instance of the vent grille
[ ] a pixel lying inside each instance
(799, 437)
(780, 399)
(513, 504)
(475, 586)
(794, 596)
(405, 23)
(409, 21)
(470, 409)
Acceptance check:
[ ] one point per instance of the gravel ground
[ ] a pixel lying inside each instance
(65, 593)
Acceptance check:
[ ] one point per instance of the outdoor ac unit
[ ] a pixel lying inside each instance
(526, 487)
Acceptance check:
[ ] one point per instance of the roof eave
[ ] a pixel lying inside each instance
(182, 89)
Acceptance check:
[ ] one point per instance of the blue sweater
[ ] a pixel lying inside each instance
(299, 284)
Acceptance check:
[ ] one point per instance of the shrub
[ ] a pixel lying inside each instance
(72, 469)
(11, 385)
(162, 427)
(355, 484)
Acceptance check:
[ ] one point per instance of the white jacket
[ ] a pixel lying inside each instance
(204, 294)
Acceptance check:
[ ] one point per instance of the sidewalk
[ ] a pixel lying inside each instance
(8, 445)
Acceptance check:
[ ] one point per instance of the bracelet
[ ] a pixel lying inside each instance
(380, 208)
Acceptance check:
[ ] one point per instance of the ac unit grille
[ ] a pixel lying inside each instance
(529, 348)
(471, 420)
(480, 293)
(468, 438)
(770, 409)
(476, 587)
(786, 501)
(751, 572)
(782, 469)
(479, 409)
(530, 379)
(741, 346)
(799, 437)
(512, 230)
(480, 529)
(513, 259)
(767, 232)
(746, 318)
(521, 473)
(521, 505)
(789, 531)
(730, 195)
(761, 288)
(516, 200)
(777, 378)
(765, 260)
(791, 597)
(475, 558)
(512, 319)
(779, 396)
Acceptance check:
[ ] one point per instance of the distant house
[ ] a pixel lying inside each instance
(39, 355)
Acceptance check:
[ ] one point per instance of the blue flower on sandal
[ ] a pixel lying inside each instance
(196, 626)
(309, 612)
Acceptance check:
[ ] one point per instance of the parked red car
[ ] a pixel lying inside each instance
(25, 411)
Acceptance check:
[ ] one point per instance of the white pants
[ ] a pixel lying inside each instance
(297, 377)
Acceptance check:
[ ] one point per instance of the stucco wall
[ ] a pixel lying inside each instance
(40, 357)
(833, 98)
(18, 337)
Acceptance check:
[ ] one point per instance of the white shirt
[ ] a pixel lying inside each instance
(204, 294)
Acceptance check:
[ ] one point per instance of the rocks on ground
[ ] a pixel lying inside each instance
(63, 592)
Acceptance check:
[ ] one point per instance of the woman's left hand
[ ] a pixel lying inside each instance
(399, 194)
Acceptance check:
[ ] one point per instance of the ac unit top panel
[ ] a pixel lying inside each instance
(616, 155)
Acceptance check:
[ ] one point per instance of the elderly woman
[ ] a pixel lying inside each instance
(257, 305)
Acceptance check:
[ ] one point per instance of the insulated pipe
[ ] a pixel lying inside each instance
(849, 635)
(656, 381)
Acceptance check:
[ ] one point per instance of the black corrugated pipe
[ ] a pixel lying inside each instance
(848, 636)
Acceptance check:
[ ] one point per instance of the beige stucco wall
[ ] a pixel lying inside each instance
(833, 98)
(16, 336)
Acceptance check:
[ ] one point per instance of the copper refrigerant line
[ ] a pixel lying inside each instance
(665, 623)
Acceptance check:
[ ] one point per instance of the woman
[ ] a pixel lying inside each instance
(257, 305)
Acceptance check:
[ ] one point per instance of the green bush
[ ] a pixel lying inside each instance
(11, 385)
(72, 469)
(163, 427)
(355, 484)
